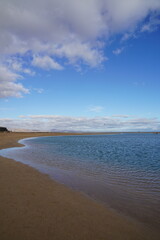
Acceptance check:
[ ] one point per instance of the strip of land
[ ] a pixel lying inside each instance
(34, 207)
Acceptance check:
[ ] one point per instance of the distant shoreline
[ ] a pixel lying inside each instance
(39, 133)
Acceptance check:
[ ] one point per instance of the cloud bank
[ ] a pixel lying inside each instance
(66, 123)
(74, 32)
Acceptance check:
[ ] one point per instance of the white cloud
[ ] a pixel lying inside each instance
(6, 75)
(95, 109)
(121, 116)
(128, 35)
(11, 72)
(28, 71)
(151, 25)
(41, 25)
(61, 123)
(8, 85)
(118, 51)
(74, 31)
(16, 65)
(46, 63)
(39, 90)
(76, 51)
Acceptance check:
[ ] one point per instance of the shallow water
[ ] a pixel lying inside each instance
(122, 171)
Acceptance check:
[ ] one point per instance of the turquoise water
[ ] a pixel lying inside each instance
(121, 171)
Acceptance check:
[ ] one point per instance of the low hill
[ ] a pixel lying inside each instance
(3, 129)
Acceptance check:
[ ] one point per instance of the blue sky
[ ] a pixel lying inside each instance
(64, 72)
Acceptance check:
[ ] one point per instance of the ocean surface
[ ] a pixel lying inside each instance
(121, 170)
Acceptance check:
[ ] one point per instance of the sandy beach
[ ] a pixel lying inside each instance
(34, 207)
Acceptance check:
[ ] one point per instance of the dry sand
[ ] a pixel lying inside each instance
(34, 207)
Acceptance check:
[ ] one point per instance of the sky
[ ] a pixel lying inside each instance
(69, 65)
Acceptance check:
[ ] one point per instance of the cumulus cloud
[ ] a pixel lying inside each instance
(118, 51)
(10, 74)
(72, 31)
(45, 23)
(67, 123)
(76, 51)
(8, 84)
(16, 65)
(46, 63)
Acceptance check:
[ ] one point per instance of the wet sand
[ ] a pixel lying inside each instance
(34, 207)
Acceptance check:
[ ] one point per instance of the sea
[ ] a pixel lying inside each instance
(121, 171)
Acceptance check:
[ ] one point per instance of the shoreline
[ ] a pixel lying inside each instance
(34, 207)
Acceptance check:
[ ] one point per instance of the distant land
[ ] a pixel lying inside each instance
(4, 129)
